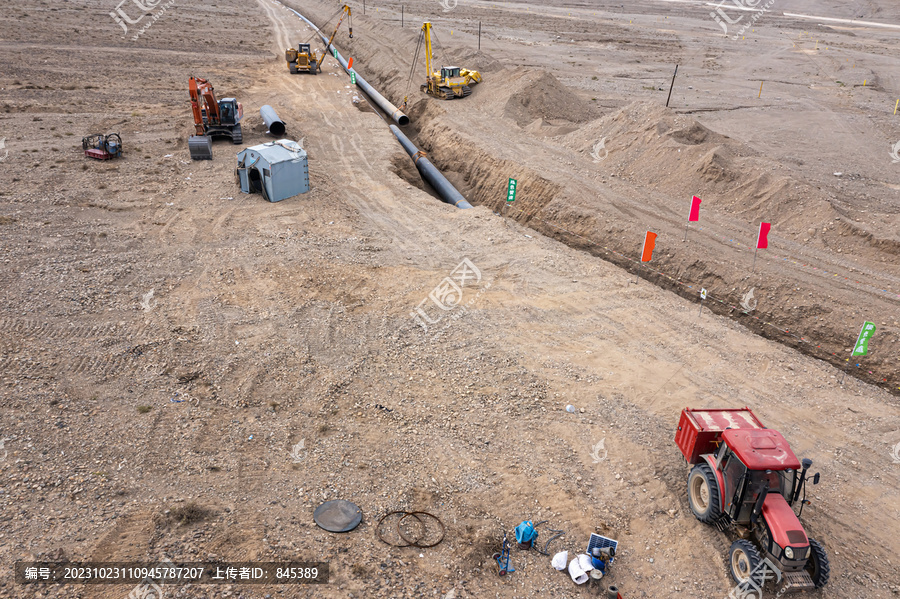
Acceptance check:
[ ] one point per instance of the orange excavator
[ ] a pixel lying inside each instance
(212, 118)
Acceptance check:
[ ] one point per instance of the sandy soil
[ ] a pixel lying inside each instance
(275, 323)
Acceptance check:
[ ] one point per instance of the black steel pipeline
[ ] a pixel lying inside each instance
(396, 115)
(430, 173)
(274, 124)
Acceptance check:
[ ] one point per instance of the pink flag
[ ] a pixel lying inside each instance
(762, 242)
(695, 210)
(649, 244)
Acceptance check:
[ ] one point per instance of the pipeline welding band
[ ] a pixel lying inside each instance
(405, 514)
(417, 155)
(416, 516)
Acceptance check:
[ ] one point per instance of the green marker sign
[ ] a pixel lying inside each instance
(334, 52)
(511, 191)
(862, 343)
(352, 78)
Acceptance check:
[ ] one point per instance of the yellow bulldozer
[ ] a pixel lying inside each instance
(448, 83)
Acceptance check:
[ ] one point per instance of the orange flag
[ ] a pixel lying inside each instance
(649, 244)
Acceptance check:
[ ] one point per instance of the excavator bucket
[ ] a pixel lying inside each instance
(200, 147)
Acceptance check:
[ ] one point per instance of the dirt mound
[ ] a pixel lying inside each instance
(679, 155)
(473, 59)
(539, 96)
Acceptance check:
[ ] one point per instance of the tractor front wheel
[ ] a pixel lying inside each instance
(703, 493)
(745, 560)
(817, 565)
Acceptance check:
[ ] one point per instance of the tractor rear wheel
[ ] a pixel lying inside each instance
(817, 565)
(703, 494)
(745, 560)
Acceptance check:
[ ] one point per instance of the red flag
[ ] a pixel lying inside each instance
(695, 210)
(762, 242)
(350, 63)
(649, 244)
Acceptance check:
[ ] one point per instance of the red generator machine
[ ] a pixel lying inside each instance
(744, 476)
(102, 147)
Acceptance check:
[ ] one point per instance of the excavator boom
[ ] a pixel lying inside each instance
(203, 99)
(426, 30)
(346, 13)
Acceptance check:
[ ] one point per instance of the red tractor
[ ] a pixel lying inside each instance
(745, 476)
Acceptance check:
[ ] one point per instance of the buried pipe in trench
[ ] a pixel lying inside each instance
(396, 115)
(274, 124)
(430, 173)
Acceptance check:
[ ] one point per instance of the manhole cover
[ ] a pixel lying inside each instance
(338, 515)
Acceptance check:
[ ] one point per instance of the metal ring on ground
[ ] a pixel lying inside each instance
(405, 514)
(416, 516)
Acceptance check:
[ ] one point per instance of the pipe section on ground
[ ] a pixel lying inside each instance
(429, 172)
(274, 124)
(396, 115)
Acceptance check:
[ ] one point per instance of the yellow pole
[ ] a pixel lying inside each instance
(426, 28)
(760, 89)
(895, 106)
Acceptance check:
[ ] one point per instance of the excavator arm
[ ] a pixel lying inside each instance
(426, 31)
(346, 13)
(203, 97)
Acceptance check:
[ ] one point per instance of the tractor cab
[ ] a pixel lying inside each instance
(303, 49)
(754, 461)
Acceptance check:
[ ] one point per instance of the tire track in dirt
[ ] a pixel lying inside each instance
(32, 332)
(170, 220)
(129, 539)
(209, 232)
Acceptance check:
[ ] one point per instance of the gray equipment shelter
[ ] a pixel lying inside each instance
(277, 169)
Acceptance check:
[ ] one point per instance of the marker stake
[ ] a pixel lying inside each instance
(671, 87)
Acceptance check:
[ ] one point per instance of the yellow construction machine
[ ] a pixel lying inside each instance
(449, 82)
(303, 59)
